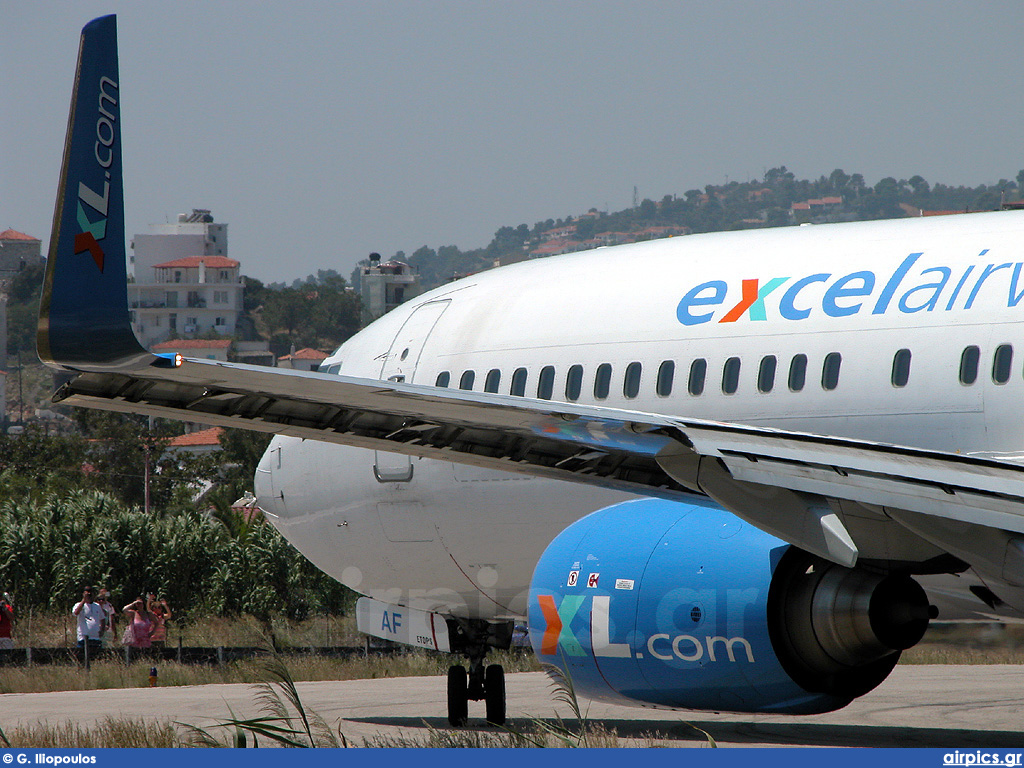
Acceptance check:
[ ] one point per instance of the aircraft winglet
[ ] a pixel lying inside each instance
(83, 315)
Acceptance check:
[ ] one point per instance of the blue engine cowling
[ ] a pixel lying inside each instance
(683, 605)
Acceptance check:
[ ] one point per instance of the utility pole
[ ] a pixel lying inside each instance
(21, 397)
(149, 439)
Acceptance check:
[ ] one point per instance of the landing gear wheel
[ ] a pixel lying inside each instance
(458, 696)
(494, 694)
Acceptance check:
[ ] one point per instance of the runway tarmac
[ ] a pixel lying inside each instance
(918, 706)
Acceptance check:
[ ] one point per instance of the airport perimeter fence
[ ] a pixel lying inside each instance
(209, 655)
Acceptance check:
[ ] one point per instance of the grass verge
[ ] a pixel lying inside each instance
(115, 674)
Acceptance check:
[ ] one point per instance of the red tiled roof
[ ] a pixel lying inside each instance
(194, 344)
(10, 234)
(209, 436)
(212, 262)
(307, 354)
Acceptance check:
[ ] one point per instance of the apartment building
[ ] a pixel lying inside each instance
(186, 297)
(185, 284)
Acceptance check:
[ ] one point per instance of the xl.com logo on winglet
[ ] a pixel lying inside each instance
(95, 231)
(936, 287)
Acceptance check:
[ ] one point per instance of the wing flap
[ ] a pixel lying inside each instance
(970, 489)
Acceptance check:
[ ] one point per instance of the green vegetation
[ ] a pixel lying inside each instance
(318, 312)
(71, 509)
(59, 541)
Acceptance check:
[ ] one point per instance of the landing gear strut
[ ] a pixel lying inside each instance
(484, 682)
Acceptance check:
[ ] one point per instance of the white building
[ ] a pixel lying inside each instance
(382, 287)
(187, 297)
(185, 285)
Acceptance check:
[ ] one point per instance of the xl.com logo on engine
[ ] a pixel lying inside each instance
(558, 633)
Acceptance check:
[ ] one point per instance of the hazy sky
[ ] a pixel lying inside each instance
(322, 131)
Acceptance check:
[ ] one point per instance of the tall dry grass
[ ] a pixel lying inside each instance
(42, 678)
(120, 733)
(975, 643)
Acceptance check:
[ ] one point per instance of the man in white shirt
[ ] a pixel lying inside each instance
(92, 620)
(103, 601)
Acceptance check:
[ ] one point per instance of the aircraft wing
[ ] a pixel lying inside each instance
(643, 453)
(794, 485)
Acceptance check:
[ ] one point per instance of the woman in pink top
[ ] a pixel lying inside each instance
(161, 613)
(138, 633)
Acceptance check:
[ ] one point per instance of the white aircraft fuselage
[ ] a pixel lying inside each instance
(903, 332)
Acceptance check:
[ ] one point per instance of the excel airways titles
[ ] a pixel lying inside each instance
(936, 288)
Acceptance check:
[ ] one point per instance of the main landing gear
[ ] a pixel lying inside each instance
(483, 681)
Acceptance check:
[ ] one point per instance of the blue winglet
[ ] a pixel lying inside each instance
(83, 315)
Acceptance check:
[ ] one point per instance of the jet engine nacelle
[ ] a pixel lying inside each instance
(683, 605)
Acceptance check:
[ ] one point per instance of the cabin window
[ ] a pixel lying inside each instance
(631, 381)
(1001, 363)
(698, 372)
(466, 382)
(603, 381)
(766, 373)
(830, 371)
(969, 365)
(518, 387)
(797, 372)
(444, 378)
(666, 373)
(731, 376)
(492, 381)
(574, 383)
(901, 368)
(546, 382)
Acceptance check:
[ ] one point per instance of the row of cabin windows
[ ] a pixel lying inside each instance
(970, 360)
(1002, 363)
(664, 381)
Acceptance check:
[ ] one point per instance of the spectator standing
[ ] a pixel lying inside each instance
(139, 628)
(6, 623)
(91, 620)
(161, 613)
(110, 614)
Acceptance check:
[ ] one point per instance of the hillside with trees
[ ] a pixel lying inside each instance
(778, 199)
